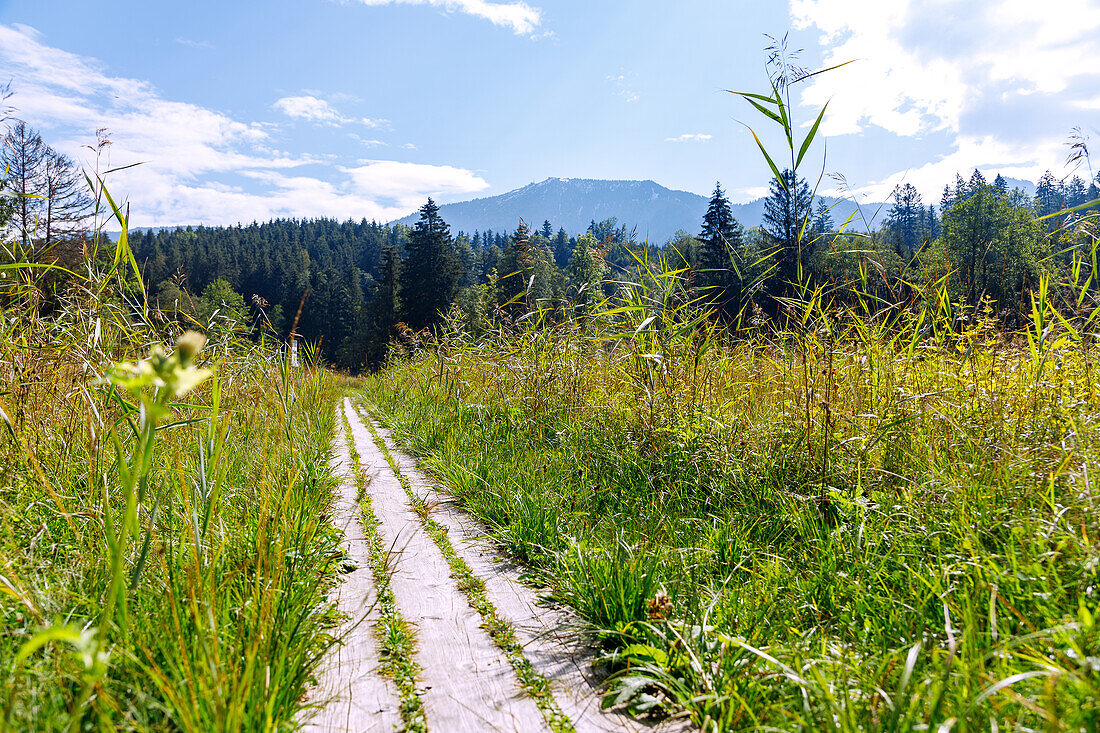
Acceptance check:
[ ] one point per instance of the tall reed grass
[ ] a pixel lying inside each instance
(870, 518)
(164, 547)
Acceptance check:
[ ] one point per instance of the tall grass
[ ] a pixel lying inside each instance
(871, 518)
(164, 548)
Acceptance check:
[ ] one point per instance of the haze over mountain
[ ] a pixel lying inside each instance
(656, 212)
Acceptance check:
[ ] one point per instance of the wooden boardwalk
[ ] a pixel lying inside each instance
(467, 684)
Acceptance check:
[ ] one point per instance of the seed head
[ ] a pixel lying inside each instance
(189, 345)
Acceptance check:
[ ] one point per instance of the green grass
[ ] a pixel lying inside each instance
(396, 638)
(165, 551)
(500, 630)
(858, 524)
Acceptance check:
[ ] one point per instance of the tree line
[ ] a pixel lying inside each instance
(357, 288)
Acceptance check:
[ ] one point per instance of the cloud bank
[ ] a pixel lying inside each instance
(1003, 81)
(689, 137)
(314, 109)
(200, 165)
(520, 17)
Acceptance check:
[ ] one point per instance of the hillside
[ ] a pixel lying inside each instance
(654, 211)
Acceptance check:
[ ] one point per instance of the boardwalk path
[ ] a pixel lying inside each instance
(466, 683)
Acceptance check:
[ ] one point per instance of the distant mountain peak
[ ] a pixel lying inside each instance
(654, 212)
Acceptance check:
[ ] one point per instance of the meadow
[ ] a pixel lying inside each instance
(868, 519)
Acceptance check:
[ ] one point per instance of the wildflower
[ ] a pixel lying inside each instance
(659, 607)
(170, 375)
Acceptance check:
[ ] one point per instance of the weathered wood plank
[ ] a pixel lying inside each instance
(549, 633)
(468, 683)
(351, 695)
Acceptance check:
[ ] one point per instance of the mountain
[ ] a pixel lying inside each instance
(1026, 186)
(656, 213)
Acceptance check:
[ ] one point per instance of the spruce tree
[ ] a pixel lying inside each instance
(720, 241)
(547, 231)
(785, 211)
(1049, 199)
(1076, 192)
(562, 250)
(431, 271)
(823, 220)
(906, 220)
(513, 271)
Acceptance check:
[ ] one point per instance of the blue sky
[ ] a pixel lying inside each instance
(250, 109)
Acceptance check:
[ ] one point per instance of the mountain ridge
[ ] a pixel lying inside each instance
(652, 211)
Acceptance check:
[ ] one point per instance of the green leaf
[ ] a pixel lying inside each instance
(55, 633)
(786, 121)
(1079, 207)
(624, 690)
(810, 137)
(761, 97)
(775, 170)
(764, 110)
(643, 324)
(827, 68)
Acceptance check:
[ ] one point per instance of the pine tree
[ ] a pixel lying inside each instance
(1049, 199)
(513, 271)
(823, 220)
(1001, 185)
(906, 220)
(431, 271)
(720, 240)
(785, 211)
(547, 231)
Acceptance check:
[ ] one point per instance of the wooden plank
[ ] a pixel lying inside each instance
(351, 693)
(550, 634)
(468, 683)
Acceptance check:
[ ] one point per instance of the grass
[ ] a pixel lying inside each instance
(859, 523)
(164, 547)
(500, 630)
(396, 637)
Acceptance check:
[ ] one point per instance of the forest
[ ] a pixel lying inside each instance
(344, 285)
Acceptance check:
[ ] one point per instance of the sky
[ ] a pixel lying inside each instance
(252, 109)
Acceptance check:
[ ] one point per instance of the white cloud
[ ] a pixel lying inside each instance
(749, 193)
(622, 88)
(519, 16)
(986, 153)
(199, 165)
(405, 185)
(1003, 80)
(314, 109)
(689, 137)
(192, 43)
